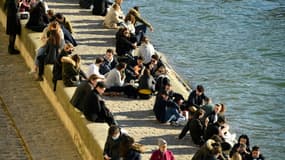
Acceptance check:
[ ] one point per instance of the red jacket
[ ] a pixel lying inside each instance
(158, 155)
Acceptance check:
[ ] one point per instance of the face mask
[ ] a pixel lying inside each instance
(116, 137)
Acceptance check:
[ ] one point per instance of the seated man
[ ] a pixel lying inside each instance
(196, 97)
(255, 154)
(81, 92)
(109, 62)
(95, 109)
(115, 79)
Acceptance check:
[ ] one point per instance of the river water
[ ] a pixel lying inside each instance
(236, 50)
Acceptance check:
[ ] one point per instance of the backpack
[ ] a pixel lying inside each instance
(85, 4)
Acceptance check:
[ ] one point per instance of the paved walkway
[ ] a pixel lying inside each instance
(135, 116)
(29, 127)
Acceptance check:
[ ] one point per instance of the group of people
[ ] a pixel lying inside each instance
(125, 72)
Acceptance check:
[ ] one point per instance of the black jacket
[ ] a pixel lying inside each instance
(95, 109)
(195, 100)
(80, 94)
(38, 19)
(13, 25)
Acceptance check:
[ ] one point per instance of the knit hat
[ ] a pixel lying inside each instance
(161, 142)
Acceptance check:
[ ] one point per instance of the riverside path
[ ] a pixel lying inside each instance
(29, 127)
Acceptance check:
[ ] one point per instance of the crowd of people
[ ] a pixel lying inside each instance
(125, 72)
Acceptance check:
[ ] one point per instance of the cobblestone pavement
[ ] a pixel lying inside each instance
(40, 134)
(133, 115)
(11, 146)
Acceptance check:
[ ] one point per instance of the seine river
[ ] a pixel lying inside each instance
(236, 49)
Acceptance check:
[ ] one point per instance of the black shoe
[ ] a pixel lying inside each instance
(13, 51)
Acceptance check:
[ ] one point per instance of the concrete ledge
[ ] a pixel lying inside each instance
(88, 137)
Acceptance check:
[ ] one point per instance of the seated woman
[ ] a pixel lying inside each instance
(71, 72)
(243, 139)
(130, 24)
(125, 43)
(114, 17)
(48, 53)
(57, 67)
(144, 24)
(146, 85)
(38, 19)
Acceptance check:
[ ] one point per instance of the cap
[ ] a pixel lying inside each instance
(161, 142)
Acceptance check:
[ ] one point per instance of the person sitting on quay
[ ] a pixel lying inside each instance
(243, 139)
(64, 21)
(146, 85)
(242, 147)
(212, 149)
(161, 79)
(95, 109)
(38, 19)
(255, 154)
(186, 128)
(125, 43)
(82, 90)
(134, 69)
(219, 110)
(216, 128)
(94, 67)
(114, 18)
(174, 114)
(110, 62)
(196, 97)
(144, 24)
(154, 65)
(208, 107)
(146, 50)
(130, 150)
(71, 71)
(130, 24)
(162, 153)
(159, 107)
(57, 67)
(48, 53)
(115, 79)
(197, 127)
(115, 138)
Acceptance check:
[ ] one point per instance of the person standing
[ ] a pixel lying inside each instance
(13, 25)
(162, 153)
